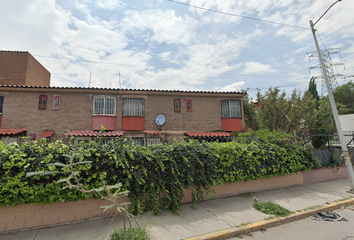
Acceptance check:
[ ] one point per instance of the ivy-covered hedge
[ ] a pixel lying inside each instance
(155, 176)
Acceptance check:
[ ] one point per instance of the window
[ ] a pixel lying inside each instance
(136, 140)
(177, 105)
(153, 140)
(78, 140)
(231, 109)
(104, 105)
(1, 103)
(42, 102)
(133, 107)
(189, 105)
(8, 140)
(56, 102)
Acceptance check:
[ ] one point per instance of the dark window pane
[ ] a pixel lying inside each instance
(42, 102)
(189, 105)
(1, 103)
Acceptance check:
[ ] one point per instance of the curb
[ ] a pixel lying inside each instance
(252, 227)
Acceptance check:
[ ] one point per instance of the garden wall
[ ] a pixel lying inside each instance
(27, 216)
(329, 156)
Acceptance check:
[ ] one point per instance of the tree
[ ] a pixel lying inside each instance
(344, 95)
(313, 89)
(278, 112)
(250, 113)
(318, 116)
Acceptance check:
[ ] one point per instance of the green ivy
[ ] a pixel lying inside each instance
(156, 176)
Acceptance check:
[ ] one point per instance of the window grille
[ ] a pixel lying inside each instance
(136, 140)
(231, 109)
(104, 105)
(133, 107)
(56, 102)
(153, 140)
(42, 102)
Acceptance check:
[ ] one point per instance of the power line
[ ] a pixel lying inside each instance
(207, 29)
(236, 15)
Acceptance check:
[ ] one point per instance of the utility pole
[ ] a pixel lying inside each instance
(345, 152)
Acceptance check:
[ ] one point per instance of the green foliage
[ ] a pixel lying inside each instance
(133, 233)
(155, 177)
(280, 112)
(318, 116)
(344, 95)
(249, 111)
(313, 89)
(270, 208)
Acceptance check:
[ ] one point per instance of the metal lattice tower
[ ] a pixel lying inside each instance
(329, 64)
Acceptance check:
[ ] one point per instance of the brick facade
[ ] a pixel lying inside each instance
(21, 68)
(20, 110)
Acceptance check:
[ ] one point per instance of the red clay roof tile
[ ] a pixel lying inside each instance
(90, 133)
(208, 134)
(46, 134)
(153, 133)
(12, 131)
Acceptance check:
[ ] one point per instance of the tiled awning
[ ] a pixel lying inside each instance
(12, 131)
(46, 134)
(208, 134)
(90, 133)
(153, 133)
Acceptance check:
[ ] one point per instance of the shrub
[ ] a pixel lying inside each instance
(156, 177)
(133, 233)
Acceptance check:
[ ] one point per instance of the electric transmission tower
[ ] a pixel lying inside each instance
(329, 64)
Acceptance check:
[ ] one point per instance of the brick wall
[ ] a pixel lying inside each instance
(36, 75)
(13, 67)
(20, 110)
(21, 68)
(34, 215)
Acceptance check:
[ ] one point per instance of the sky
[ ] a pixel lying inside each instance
(202, 45)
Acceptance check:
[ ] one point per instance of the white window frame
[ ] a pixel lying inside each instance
(230, 111)
(107, 106)
(133, 107)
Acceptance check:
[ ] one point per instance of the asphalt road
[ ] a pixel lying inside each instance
(308, 229)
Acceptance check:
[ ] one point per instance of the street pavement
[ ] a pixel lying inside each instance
(307, 229)
(210, 216)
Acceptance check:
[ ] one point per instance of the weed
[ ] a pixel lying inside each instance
(270, 208)
(132, 233)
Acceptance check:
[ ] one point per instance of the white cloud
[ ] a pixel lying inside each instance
(156, 47)
(108, 4)
(257, 67)
(162, 24)
(235, 87)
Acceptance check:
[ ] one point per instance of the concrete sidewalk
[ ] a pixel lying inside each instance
(211, 216)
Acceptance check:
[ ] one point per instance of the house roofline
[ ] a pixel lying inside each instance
(95, 90)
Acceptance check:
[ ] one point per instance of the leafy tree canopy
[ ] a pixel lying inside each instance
(344, 96)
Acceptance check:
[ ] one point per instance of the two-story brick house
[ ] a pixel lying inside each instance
(150, 116)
